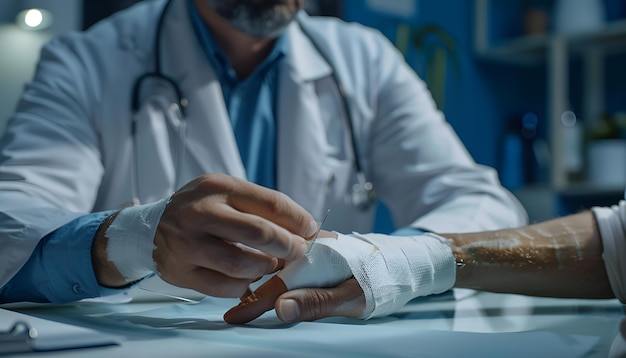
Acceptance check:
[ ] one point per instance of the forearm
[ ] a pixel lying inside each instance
(558, 258)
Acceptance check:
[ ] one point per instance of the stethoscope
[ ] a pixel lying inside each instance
(362, 196)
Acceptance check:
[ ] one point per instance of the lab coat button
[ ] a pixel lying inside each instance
(77, 288)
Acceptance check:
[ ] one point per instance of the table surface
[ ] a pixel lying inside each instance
(469, 322)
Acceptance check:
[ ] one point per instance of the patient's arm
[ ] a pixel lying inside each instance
(389, 270)
(558, 258)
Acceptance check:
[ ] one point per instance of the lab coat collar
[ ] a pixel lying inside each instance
(184, 60)
(303, 167)
(303, 57)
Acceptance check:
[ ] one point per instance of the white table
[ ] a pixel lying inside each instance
(475, 324)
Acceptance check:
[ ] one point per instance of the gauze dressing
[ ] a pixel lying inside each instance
(391, 270)
(131, 239)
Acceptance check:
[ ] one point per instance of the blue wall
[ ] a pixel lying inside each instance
(483, 96)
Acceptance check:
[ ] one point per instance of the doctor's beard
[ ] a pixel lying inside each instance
(258, 18)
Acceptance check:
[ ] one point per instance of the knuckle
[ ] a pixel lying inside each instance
(216, 183)
(279, 203)
(210, 178)
(316, 304)
(260, 232)
(234, 266)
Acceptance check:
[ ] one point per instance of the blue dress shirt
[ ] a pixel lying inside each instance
(60, 269)
(251, 103)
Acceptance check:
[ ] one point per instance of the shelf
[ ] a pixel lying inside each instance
(526, 50)
(584, 196)
(587, 189)
(555, 51)
(533, 49)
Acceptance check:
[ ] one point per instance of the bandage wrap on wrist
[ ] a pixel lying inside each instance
(131, 239)
(391, 270)
(402, 268)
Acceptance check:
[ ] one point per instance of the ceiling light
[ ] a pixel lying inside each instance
(34, 19)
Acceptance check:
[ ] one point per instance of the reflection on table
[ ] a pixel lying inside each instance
(466, 322)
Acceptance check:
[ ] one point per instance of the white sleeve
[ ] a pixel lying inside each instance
(419, 166)
(612, 225)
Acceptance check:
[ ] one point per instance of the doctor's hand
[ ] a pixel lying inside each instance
(218, 234)
(304, 304)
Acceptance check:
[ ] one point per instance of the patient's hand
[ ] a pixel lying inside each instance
(303, 304)
(390, 271)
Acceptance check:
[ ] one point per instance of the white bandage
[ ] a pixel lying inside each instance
(322, 266)
(391, 270)
(131, 239)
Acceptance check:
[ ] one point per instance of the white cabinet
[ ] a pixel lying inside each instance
(555, 51)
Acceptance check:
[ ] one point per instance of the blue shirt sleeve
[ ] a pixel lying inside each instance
(59, 269)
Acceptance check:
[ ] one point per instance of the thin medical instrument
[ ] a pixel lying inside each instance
(309, 243)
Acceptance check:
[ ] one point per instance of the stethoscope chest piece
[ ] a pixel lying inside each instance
(363, 195)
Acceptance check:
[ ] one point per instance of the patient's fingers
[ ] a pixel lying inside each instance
(309, 304)
(261, 301)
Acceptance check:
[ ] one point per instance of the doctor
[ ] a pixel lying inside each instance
(228, 125)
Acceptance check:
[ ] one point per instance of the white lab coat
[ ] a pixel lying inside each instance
(68, 150)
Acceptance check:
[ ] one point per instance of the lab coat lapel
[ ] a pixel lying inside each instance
(210, 141)
(303, 170)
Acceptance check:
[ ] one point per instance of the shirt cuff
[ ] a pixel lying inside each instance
(66, 259)
(60, 269)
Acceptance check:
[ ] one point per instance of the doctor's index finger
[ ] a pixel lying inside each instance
(239, 211)
(273, 206)
(256, 232)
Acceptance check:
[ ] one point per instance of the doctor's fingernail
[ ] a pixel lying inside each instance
(289, 310)
(312, 228)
